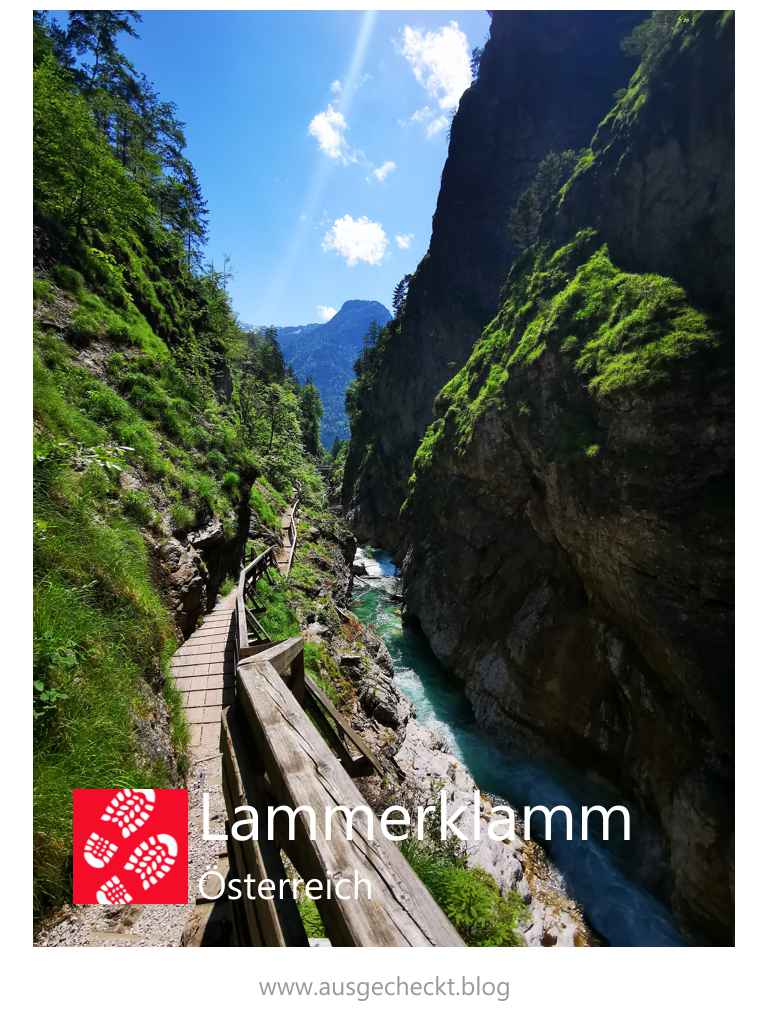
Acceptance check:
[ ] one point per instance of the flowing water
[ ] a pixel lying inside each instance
(622, 912)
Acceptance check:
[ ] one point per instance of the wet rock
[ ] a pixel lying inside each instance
(315, 631)
(570, 555)
(545, 81)
(381, 699)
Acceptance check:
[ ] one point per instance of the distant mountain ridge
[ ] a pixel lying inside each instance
(326, 354)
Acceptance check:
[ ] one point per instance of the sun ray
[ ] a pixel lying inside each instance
(323, 167)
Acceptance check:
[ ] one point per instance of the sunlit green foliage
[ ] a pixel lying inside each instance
(77, 180)
(617, 331)
(469, 897)
(528, 212)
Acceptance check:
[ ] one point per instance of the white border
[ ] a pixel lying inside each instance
(621, 984)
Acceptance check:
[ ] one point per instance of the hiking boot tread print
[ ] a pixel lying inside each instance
(130, 809)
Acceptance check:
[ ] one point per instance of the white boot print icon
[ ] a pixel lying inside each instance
(116, 867)
(98, 851)
(153, 859)
(113, 893)
(129, 809)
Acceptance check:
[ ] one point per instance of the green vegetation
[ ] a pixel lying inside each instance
(327, 674)
(367, 367)
(310, 917)
(528, 212)
(278, 617)
(227, 586)
(617, 332)
(652, 41)
(335, 463)
(103, 640)
(469, 897)
(153, 411)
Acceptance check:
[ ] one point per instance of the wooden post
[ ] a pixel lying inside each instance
(296, 677)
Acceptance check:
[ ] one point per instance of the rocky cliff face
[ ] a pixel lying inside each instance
(544, 82)
(567, 540)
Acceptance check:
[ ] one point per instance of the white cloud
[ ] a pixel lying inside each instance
(386, 168)
(336, 87)
(326, 312)
(441, 63)
(432, 121)
(358, 240)
(328, 127)
(438, 125)
(423, 114)
(403, 241)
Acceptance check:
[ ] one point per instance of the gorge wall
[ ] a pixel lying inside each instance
(543, 84)
(567, 534)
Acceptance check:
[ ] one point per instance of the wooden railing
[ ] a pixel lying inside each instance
(285, 743)
(252, 639)
(251, 635)
(292, 533)
(285, 562)
(274, 755)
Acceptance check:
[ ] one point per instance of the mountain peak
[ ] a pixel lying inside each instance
(327, 352)
(357, 305)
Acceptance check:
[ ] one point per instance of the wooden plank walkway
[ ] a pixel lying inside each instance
(284, 553)
(204, 666)
(204, 670)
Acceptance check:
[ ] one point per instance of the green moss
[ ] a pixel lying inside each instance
(626, 331)
(231, 482)
(327, 673)
(182, 516)
(265, 502)
(42, 290)
(71, 280)
(310, 917)
(94, 318)
(277, 617)
(617, 332)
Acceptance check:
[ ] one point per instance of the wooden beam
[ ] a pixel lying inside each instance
(282, 654)
(343, 725)
(303, 771)
(279, 921)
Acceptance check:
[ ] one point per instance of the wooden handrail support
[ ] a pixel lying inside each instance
(252, 572)
(271, 747)
(292, 536)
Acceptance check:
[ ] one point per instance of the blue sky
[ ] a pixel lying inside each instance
(286, 204)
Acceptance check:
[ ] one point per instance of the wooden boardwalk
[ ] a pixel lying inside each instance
(284, 554)
(204, 666)
(204, 670)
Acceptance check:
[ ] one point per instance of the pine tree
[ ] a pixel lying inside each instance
(400, 295)
(91, 36)
(311, 409)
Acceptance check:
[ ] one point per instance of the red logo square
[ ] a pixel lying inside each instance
(129, 846)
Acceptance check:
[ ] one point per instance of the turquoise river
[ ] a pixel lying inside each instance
(619, 910)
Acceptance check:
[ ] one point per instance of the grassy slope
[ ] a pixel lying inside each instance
(103, 635)
(152, 415)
